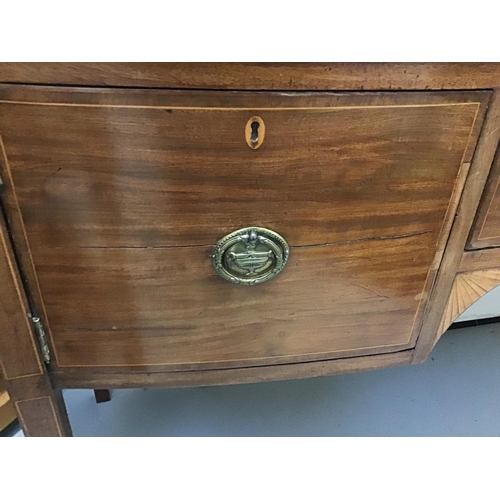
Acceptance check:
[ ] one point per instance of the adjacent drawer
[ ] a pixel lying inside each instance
(486, 230)
(124, 193)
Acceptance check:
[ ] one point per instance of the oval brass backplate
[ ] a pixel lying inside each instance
(250, 255)
(255, 131)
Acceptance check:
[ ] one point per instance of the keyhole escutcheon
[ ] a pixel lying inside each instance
(254, 132)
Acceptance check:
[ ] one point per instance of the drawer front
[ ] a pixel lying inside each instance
(123, 194)
(486, 230)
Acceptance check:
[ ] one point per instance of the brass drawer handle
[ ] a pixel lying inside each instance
(250, 255)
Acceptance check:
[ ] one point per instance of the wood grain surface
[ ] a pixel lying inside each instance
(168, 306)
(89, 379)
(19, 355)
(123, 193)
(486, 230)
(480, 259)
(98, 176)
(260, 76)
(462, 225)
(40, 409)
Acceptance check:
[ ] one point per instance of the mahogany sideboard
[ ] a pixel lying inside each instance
(168, 224)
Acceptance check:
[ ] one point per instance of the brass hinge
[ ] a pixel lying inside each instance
(42, 339)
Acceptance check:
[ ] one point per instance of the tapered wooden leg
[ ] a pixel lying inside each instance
(102, 395)
(40, 409)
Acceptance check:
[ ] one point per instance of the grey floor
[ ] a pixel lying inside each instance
(455, 393)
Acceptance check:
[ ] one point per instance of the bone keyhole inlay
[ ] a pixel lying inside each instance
(254, 132)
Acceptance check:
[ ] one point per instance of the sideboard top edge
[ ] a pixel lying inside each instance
(260, 76)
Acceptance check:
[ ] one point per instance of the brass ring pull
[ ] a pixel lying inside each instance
(250, 256)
